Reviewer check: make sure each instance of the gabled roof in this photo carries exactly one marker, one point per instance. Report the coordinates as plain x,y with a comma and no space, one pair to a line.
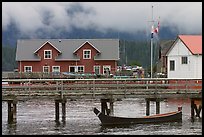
192,42
108,48
84,44
44,45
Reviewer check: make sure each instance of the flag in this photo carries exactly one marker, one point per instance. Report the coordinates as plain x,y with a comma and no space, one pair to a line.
152,32
156,30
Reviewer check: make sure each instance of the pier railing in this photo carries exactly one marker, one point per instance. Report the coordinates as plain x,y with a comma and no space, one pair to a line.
118,88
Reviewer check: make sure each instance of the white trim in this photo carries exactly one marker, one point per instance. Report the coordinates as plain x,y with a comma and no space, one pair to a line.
56,66
89,54
48,68
44,45
50,54
28,66
84,44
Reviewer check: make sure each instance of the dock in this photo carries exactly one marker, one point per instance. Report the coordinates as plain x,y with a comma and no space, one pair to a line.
107,90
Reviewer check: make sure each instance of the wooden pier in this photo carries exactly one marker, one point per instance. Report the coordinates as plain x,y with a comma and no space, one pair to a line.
107,90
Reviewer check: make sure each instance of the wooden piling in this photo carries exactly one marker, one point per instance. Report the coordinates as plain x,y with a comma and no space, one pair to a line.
56,110
10,113
63,110
147,106
192,109
111,107
157,106
104,106
12,110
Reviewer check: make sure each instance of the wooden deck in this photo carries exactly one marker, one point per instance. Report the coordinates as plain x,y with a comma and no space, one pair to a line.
100,88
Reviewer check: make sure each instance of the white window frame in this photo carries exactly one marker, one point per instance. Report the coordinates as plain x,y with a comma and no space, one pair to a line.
99,67
78,68
25,70
57,67
87,54
106,66
47,67
50,54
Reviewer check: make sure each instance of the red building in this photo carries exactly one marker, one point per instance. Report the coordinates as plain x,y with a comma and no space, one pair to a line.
68,55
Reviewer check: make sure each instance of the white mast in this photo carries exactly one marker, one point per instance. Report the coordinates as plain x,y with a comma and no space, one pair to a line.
152,33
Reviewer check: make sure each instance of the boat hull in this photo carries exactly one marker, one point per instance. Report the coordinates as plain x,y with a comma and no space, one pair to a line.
113,120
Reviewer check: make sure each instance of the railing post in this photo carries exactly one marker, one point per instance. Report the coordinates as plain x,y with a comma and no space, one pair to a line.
125,88
61,89
94,88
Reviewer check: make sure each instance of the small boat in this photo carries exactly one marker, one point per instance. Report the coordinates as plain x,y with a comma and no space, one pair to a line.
107,120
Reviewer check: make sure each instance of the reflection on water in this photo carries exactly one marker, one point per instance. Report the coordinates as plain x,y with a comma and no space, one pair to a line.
37,117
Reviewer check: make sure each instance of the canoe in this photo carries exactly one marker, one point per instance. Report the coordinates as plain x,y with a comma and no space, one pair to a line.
107,120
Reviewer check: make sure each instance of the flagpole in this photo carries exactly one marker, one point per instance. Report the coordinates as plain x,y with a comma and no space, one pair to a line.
151,43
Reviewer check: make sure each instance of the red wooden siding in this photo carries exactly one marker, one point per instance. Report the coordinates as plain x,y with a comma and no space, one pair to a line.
37,66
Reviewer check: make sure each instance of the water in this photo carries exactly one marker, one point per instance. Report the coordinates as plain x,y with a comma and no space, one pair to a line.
36,117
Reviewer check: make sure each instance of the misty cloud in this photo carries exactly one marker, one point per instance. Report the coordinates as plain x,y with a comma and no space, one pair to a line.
101,16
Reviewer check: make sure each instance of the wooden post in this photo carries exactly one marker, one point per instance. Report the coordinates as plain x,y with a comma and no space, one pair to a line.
57,110
12,111
157,106
192,109
63,110
103,106
147,106
111,107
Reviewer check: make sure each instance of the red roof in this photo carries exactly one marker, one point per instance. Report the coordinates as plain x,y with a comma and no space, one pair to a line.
192,42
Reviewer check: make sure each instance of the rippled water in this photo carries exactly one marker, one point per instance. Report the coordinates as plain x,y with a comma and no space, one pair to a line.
36,117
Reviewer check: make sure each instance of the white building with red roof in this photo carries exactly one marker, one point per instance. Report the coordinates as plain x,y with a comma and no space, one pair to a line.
184,58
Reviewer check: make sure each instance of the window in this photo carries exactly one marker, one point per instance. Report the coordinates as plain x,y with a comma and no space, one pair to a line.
55,68
97,69
46,69
72,69
106,70
172,65
86,54
80,69
184,60
76,68
27,68
47,54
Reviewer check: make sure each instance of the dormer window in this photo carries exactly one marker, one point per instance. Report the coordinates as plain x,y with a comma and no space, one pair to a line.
47,54
86,54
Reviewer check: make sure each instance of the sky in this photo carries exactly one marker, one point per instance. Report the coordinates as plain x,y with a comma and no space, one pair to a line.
128,17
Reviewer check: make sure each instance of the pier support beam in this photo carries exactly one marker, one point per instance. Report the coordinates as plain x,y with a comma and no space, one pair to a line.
157,106
104,106
147,107
12,110
57,112
195,108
